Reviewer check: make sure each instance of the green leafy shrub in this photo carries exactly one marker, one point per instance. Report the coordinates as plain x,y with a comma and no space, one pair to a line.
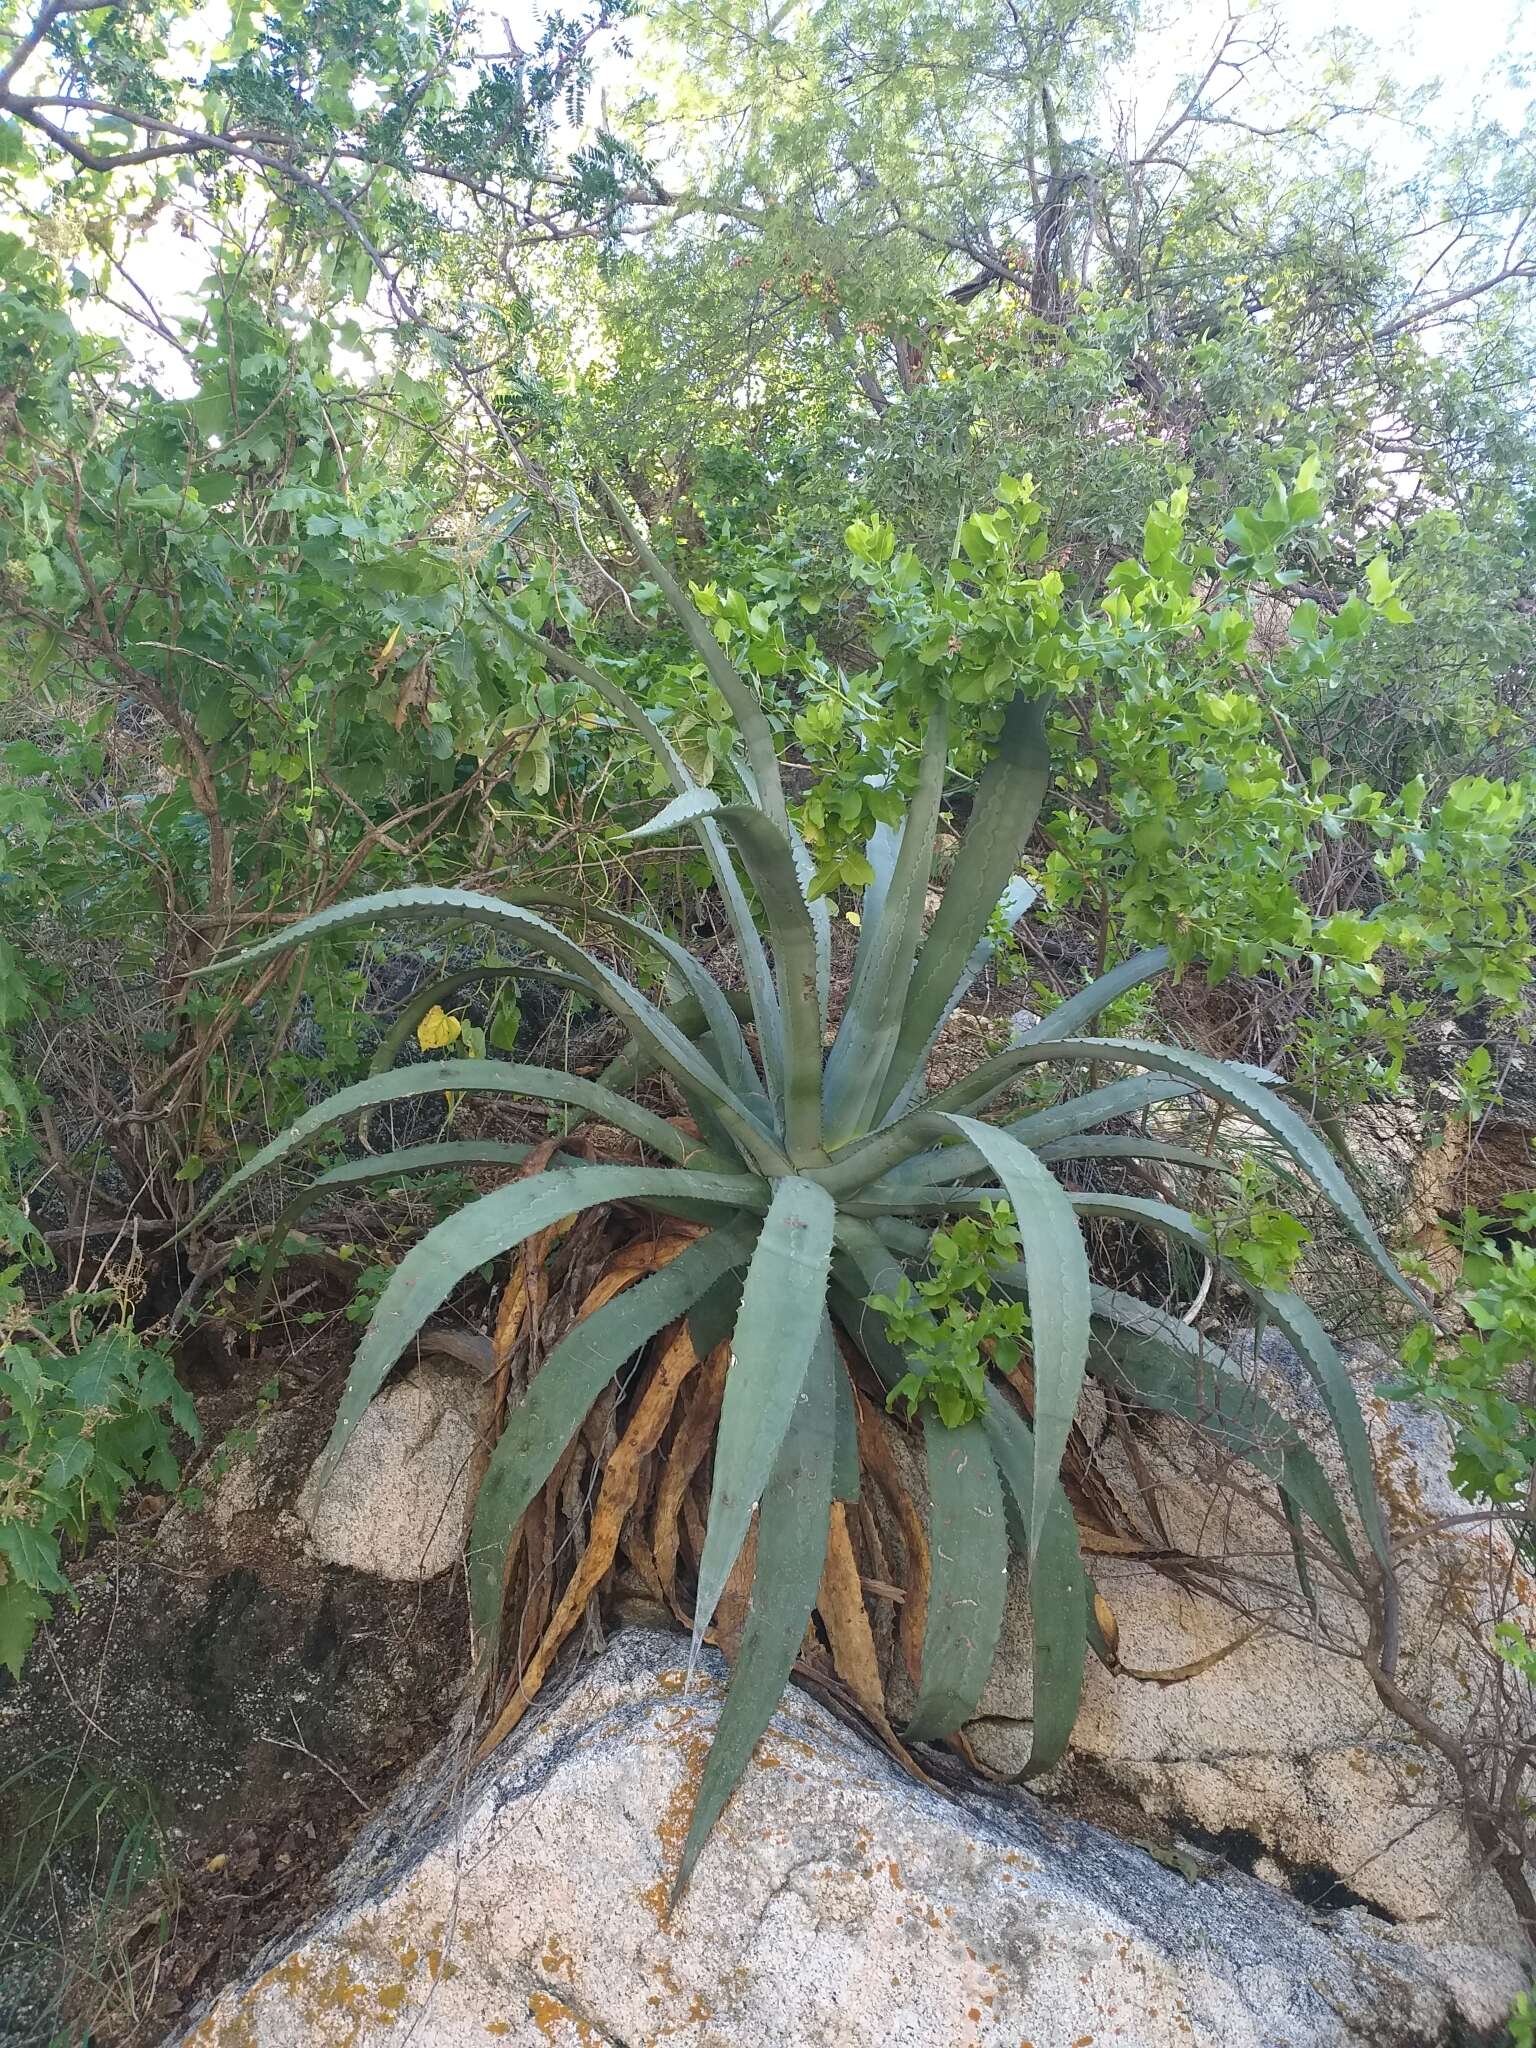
950,1323
301,687
1486,1386
817,1174
88,1410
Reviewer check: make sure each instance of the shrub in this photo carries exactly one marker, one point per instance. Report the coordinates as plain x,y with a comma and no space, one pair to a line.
806,1181
88,1410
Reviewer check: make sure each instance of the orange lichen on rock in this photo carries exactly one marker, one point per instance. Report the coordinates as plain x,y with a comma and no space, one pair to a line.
551,2017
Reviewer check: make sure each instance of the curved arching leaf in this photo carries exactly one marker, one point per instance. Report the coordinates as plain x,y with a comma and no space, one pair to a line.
539,1427
494,1224
764,997
1016,899
870,1029
968,1539
1163,1364
1097,1106
845,1464
1068,1018
629,1067
1060,1595
893,1197
882,850
377,1166
743,701
821,921
697,802
856,1166
792,1524
662,1039
463,1077
783,1305
968,1546
1056,1265
770,861
1146,1150
1291,1315
1008,800
1227,1083
732,1058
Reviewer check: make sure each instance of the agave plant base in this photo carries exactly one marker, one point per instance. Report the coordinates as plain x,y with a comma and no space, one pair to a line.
620,1523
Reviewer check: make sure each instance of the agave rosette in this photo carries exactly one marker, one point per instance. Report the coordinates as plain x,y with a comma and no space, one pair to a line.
816,1176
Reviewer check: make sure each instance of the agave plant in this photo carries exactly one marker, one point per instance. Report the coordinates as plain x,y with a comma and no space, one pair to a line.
808,1175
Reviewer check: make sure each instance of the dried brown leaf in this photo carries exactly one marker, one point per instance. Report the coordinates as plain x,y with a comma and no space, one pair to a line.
616,1497
688,1451
879,1461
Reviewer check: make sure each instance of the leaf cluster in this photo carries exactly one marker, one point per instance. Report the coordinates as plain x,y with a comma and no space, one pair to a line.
817,1165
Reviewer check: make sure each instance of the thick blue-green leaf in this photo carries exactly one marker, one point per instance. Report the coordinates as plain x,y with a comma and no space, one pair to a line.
864,1266
894,1197
792,1524
540,1426
670,1048
712,1318
1008,801
1068,1018
1162,1363
486,1228
1296,1321
1060,1596
968,1538
1059,1284
764,998
845,1464
859,1165
742,700
698,991
463,1077
898,1094
352,1173
882,850
821,921
871,1023
697,802
1229,1084
770,861
1148,1150
904,1240
799,960
783,1307
968,1554
1097,1106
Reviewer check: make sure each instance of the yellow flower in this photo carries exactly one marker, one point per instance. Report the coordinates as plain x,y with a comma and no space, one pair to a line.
437,1029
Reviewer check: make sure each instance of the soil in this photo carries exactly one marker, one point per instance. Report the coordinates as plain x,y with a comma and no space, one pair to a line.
193,1747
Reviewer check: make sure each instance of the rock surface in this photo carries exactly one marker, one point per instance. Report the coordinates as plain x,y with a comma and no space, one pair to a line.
395,1504
839,1902
1280,1754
